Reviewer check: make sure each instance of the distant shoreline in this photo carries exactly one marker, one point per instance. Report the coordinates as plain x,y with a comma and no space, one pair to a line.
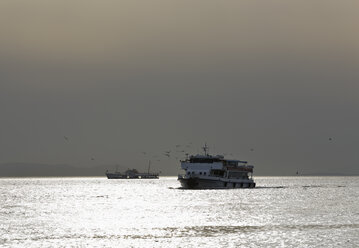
19,170
164,176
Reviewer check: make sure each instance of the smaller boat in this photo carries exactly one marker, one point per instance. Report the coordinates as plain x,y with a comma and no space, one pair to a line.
132,174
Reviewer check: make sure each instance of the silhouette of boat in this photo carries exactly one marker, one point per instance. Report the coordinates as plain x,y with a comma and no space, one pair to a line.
132,174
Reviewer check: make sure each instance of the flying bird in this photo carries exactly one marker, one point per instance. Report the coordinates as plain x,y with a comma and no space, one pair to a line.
66,138
92,159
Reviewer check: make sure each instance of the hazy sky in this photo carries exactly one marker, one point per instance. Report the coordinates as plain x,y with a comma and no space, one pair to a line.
122,77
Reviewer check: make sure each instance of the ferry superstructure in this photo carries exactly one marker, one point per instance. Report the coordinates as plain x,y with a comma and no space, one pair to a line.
215,172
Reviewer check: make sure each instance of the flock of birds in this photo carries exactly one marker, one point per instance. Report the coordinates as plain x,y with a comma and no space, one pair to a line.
176,153
180,151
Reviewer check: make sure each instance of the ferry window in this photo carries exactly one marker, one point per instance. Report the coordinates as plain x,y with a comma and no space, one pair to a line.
201,160
200,173
204,173
192,172
188,173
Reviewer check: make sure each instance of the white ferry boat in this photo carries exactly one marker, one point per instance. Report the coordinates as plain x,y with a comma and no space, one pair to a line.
215,172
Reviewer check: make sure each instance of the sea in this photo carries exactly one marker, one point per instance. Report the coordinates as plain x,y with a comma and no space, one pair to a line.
97,212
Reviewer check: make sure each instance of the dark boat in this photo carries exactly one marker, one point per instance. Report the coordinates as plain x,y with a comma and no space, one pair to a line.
132,174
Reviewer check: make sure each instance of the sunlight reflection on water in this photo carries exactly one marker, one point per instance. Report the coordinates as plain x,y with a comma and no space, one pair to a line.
281,211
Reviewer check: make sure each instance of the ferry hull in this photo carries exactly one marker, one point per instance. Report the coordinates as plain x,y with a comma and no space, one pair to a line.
201,183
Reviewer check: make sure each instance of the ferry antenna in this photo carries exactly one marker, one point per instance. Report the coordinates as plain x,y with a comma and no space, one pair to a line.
205,149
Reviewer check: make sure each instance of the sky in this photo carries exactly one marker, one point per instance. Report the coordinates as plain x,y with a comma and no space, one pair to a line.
273,82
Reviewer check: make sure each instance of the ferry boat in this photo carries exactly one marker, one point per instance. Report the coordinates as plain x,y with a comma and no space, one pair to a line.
215,172
132,174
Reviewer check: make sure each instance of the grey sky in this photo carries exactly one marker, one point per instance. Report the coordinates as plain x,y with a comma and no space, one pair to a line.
122,77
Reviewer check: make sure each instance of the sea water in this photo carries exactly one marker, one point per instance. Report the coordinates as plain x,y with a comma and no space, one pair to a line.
97,212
